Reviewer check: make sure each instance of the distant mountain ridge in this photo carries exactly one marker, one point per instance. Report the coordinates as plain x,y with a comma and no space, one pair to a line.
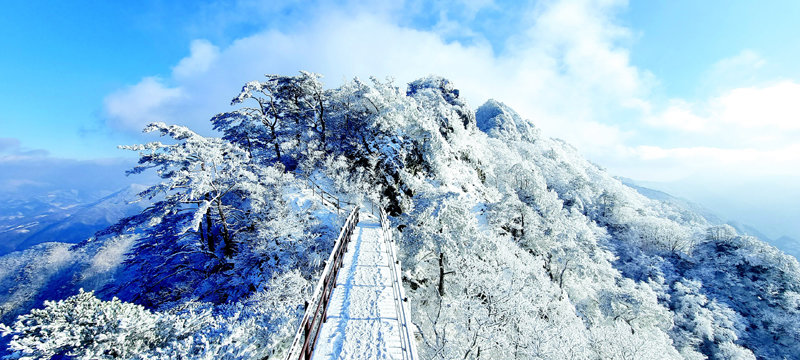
63,217
788,244
666,197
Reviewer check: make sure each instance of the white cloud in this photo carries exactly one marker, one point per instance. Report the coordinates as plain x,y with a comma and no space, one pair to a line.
148,101
763,116
752,159
745,60
736,71
565,69
679,116
775,107
723,166
202,55
746,134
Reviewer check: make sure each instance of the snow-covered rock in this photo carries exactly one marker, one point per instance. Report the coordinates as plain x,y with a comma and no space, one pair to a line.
499,120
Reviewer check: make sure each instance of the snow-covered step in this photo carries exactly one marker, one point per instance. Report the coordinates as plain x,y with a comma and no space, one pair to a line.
362,319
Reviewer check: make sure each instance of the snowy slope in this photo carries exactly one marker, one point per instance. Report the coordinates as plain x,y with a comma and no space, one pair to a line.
785,243
54,270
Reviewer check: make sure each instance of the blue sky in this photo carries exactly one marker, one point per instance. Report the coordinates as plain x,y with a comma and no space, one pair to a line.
697,97
680,40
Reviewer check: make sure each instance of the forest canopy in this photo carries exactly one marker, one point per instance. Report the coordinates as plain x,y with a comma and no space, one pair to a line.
513,245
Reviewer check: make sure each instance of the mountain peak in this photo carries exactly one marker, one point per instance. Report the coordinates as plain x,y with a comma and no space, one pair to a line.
443,87
499,120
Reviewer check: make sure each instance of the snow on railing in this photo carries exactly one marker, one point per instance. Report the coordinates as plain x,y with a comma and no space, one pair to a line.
317,310
327,197
407,342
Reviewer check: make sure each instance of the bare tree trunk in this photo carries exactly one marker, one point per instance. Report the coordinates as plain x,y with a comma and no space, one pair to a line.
322,119
230,247
202,234
561,276
271,125
209,230
275,142
441,274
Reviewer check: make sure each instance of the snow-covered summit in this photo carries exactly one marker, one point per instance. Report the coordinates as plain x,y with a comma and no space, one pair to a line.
501,121
442,87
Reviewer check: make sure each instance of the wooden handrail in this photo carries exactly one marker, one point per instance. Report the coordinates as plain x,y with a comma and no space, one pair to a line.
316,311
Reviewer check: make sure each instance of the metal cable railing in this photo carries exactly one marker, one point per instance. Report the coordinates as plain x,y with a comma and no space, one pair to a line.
407,342
317,310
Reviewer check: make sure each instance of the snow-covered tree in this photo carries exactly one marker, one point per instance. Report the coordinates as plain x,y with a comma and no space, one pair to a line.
85,327
221,227
512,244
281,112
